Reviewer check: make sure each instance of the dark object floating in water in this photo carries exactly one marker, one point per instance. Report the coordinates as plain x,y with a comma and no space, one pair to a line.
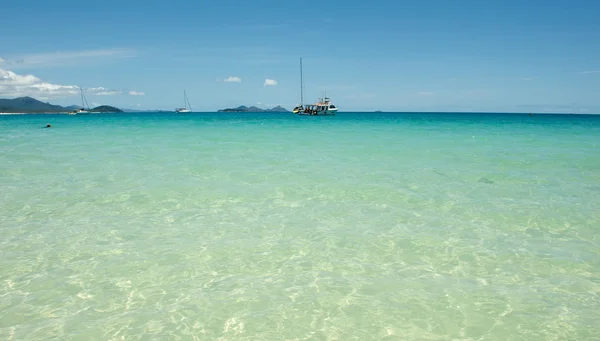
48,126
485,181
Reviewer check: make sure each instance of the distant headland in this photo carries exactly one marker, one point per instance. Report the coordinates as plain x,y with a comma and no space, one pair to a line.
244,108
28,105
105,108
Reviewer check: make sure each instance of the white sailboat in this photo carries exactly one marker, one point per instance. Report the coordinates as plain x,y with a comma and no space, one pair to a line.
186,103
321,107
84,104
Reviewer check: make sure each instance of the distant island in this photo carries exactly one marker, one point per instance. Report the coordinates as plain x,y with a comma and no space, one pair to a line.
244,108
29,105
105,108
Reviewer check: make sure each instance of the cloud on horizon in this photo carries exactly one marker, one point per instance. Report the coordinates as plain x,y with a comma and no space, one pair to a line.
63,58
100,91
16,85
232,79
270,82
137,93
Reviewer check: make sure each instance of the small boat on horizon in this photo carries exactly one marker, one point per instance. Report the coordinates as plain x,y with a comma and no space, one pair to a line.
79,111
322,107
84,102
186,103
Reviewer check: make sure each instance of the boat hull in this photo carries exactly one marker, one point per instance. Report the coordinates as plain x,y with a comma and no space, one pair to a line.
321,108
79,112
319,113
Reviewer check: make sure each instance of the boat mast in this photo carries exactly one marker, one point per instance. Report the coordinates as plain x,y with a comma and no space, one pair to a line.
187,101
83,100
301,85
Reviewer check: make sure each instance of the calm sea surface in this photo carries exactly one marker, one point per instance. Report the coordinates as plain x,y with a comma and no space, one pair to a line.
279,227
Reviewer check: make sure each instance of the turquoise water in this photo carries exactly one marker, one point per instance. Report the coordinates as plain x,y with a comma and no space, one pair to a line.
279,227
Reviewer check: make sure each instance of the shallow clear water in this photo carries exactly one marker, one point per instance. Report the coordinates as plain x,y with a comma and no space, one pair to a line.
279,227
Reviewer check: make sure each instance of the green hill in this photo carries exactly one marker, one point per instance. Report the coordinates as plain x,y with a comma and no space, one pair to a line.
29,105
244,108
33,106
105,108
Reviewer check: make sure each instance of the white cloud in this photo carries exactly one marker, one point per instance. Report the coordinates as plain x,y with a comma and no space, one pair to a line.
270,82
137,93
232,79
63,58
100,91
16,85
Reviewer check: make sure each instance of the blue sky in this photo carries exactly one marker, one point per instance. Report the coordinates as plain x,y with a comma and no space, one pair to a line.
513,56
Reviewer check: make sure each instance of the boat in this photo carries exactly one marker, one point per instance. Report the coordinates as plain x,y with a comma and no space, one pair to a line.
187,107
79,111
321,107
84,102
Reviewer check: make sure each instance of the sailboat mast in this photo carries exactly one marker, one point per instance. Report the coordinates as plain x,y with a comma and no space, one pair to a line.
84,102
187,101
301,85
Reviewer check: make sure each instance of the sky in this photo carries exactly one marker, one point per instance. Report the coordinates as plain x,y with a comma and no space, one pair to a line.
428,55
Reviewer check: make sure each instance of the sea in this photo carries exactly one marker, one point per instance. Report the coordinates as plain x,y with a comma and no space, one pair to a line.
268,226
